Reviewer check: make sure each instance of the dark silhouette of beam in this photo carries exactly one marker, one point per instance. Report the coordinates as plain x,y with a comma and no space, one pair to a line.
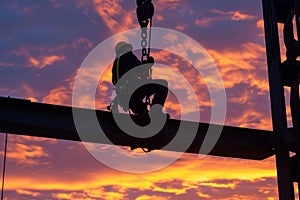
23,117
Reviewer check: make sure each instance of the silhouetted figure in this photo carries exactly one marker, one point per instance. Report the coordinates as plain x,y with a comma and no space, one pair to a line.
140,98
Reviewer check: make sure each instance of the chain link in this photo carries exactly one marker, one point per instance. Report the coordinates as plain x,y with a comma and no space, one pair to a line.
144,43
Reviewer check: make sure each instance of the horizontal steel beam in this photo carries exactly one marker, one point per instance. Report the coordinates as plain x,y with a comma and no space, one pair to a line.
23,117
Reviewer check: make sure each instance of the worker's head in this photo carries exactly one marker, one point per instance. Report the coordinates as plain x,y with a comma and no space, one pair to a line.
123,47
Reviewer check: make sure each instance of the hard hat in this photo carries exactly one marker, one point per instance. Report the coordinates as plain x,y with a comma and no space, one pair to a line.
123,47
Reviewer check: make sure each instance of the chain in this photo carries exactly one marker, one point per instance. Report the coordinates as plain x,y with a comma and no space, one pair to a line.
144,43
145,11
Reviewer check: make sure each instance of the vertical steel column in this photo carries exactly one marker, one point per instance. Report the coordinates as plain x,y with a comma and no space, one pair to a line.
285,185
295,117
297,17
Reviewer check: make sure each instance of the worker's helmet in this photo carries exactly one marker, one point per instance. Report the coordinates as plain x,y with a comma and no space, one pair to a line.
123,47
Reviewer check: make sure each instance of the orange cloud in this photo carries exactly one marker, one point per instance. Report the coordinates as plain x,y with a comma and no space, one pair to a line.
241,66
260,26
251,118
26,139
24,154
234,15
45,61
72,195
59,96
82,41
117,193
287,106
29,92
237,16
27,192
281,42
159,17
150,197
231,185
114,16
181,27
172,106
38,62
230,15
205,21
162,5
62,95
34,61
107,10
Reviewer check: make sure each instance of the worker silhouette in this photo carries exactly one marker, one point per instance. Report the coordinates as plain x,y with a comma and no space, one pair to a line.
139,99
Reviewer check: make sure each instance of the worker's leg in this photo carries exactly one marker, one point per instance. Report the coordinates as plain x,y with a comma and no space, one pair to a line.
160,90
136,103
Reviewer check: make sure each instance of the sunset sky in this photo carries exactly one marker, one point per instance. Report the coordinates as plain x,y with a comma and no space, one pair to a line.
44,43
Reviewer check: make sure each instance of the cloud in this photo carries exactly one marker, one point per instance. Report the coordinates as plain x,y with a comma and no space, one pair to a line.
115,17
205,21
72,195
234,15
45,61
169,4
251,118
59,96
218,15
6,64
29,92
260,26
86,43
27,140
244,72
171,186
107,10
62,94
28,192
37,62
172,106
29,155
242,65
150,197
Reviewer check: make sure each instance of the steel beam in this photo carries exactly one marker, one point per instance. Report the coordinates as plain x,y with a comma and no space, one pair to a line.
23,117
